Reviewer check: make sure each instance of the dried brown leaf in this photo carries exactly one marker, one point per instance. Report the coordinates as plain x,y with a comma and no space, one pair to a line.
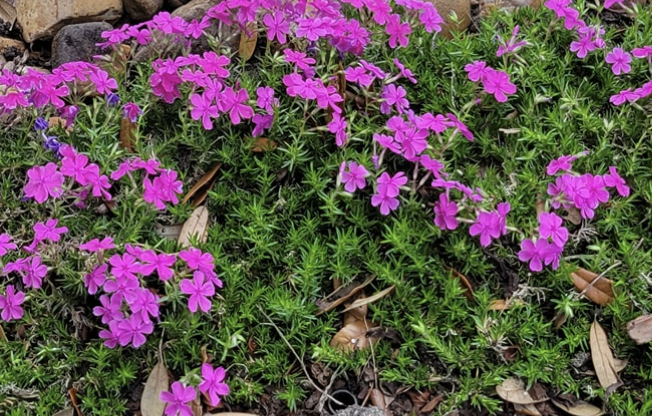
168,231
465,283
640,329
573,215
263,145
432,404
358,313
513,390
127,136
377,398
600,291
196,407
353,336
370,299
72,392
248,39
341,295
540,205
603,359
579,408
7,13
157,382
196,225
205,181
3,337
527,409
68,411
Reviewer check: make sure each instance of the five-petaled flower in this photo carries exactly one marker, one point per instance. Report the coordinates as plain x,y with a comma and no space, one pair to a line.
177,400
200,290
212,383
619,60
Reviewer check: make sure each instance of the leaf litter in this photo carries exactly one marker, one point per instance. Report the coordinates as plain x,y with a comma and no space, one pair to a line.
596,288
603,359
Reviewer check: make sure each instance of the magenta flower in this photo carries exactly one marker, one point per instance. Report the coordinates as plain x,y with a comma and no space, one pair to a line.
300,59
5,244
392,184
73,165
143,303
387,203
358,75
44,181
338,127
112,335
212,383
613,180
583,46
266,99
487,226
394,95
49,230
619,60
124,266
563,163
103,84
534,253
457,123
199,290
498,84
354,177
550,226
133,331
34,272
111,309
398,32
643,52
437,123
477,71
96,245
512,45
262,122
161,263
95,280
277,26
204,108
233,103
625,95
445,212
557,6
177,401
99,183
10,302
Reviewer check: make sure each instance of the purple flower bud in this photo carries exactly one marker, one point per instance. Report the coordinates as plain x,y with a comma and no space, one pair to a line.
51,143
40,124
112,99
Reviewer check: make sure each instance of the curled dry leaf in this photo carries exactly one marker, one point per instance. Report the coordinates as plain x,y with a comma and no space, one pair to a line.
578,408
527,409
370,299
342,294
68,411
248,39
573,215
352,336
196,225
640,329
263,145
603,359
358,313
432,404
597,290
127,136
465,283
168,231
73,399
205,182
513,390
157,382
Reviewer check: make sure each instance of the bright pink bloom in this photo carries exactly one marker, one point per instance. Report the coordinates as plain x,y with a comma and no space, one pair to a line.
488,226
10,304
398,32
643,52
391,185
551,226
625,95
557,6
99,183
619,60
95,280
563,163
455,122
338,127
358,75
534,253
49,230
511,45
96,245
498,84
34,272
124,266
177,401
143,303
278,26
161,263
354,177
44,181
5,244
199,290
437,123
445,212
133,331
73,166
204,108
300,59
103,84
212,383
583,46
395,96
266,99
233,103
131,111
613,180
110,309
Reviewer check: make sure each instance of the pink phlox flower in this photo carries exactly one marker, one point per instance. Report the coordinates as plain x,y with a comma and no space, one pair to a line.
643,52
373,69
114,37
141,36
437,123
430,18
222,12
96,245
354,177
213,64
49,230
571,18
73,166
563,163
204,108
195,28
619,60
461,127
498,84
265,99
103,84
392,184
124,266
338,127
153,195
312,28
386,202
112,335
177,401
398,32
277,26
358,75
99,183
534,253
299,59
95,279
17,266
169,185
625,95
196,259
329,97
445,212
131,111
381,10
11,100
431,164
551,226
161,263
609,3
487,226
405,72
583,46
133,331
10,302
557,6
34,272
502,209
43,182
387,142
234,104
199,290
261,122
396,96
413,142
143,302
387,192
151,166
511,45
613,180
212,383
6,244
111,309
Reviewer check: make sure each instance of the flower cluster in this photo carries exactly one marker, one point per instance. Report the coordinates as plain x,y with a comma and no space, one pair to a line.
212,385
494,82
159,185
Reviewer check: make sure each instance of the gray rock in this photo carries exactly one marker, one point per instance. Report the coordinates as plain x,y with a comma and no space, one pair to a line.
174,4
142,9
361,411
77,42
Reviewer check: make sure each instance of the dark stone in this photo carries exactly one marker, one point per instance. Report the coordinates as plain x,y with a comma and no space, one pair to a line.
77,42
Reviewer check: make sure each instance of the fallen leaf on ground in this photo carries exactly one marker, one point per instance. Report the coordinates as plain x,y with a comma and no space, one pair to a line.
196,225
527,409
578,408
157,382
358,313
341,295
127,136
468,293
432,404
370,299
169,231
353,336
207,181
8,13
196,407
504,304
603,359
513,390
573,215
263,145
248,39
377,398
73,399
640,329
68,411
601,292
3,337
